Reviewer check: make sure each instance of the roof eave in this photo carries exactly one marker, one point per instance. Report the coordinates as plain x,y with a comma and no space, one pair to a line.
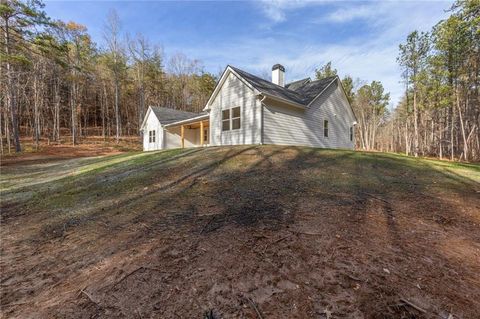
193,119
291,103
222,81
145,117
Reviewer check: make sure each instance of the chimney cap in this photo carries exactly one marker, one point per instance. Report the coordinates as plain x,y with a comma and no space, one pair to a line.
278,66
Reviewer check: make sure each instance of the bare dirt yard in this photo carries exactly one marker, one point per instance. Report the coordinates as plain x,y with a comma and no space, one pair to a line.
46,152
240,232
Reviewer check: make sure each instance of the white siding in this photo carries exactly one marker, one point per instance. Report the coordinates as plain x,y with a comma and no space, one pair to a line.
152,124
233,93
288,126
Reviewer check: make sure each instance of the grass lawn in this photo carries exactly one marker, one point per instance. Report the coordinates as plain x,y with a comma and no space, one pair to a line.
287,232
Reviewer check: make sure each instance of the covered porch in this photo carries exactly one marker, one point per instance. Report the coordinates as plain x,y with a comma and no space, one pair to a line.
193,132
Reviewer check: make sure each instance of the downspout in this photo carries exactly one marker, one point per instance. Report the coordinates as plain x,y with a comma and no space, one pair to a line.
261,117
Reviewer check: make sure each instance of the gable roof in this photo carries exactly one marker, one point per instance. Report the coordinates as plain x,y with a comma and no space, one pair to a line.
167,115
312,89
300,92
269,88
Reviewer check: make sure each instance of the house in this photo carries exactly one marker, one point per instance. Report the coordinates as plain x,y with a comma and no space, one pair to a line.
246,109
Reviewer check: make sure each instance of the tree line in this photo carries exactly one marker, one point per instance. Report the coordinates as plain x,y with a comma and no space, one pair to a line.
439,114
58,84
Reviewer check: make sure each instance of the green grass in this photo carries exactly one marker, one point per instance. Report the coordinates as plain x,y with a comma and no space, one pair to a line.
337,170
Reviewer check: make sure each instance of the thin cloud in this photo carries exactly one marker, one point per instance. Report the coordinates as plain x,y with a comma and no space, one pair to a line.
347,14
276,10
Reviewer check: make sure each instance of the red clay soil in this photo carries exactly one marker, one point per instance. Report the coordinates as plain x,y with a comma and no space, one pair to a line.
54,152
248,233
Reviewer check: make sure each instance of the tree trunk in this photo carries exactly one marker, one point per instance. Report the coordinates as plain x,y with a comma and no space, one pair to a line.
117,112
11,98
452,119
104,109
56,127
73,107
462,127
415,123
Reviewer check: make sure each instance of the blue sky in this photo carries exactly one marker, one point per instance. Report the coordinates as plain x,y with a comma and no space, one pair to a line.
360,37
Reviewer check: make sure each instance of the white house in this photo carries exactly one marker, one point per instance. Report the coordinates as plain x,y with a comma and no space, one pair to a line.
246,109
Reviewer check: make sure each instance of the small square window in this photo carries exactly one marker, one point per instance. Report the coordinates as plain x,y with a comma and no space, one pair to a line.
236,124
236,112
226,125
151,136
225,114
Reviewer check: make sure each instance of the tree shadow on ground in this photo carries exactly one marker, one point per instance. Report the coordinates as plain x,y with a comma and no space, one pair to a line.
247,191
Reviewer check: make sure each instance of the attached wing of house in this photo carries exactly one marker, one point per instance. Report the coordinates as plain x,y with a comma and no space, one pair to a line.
165,128
246,109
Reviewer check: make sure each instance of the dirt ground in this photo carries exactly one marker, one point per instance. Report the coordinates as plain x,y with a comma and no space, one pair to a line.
92,146
242,232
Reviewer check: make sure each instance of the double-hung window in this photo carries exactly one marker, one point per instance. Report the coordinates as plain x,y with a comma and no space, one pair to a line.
151,136
226,120
325,128
231,119
235,113
351,133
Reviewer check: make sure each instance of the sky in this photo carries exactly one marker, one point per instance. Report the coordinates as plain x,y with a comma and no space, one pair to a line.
360,38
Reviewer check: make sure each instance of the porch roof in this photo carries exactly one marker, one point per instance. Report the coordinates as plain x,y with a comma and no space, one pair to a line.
189,121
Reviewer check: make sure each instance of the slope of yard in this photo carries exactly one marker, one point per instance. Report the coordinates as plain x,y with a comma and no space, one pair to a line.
247,232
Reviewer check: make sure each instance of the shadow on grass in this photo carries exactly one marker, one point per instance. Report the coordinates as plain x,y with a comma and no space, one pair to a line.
250,188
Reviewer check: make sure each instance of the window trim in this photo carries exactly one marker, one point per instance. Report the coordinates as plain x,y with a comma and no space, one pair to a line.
325,128
226,120
239,117
205,135
151,136
230,119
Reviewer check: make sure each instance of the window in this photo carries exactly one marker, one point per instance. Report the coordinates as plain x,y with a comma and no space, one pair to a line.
231,119
235,118
325,128
226,120
151,136
351,133
205,135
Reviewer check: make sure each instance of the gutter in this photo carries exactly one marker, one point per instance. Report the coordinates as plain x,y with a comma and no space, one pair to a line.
193,119
301,106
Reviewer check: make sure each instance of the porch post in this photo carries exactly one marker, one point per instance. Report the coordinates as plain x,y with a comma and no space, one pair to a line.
183,136
201,133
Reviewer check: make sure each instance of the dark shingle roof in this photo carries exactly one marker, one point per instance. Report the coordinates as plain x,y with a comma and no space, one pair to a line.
166,115
296,84
311,89
295,92
268,87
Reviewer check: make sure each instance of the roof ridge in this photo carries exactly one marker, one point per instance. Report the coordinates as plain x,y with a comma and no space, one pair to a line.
328,77
301,80
269,82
